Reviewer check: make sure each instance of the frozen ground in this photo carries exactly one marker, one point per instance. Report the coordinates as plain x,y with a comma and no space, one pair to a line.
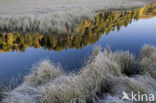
37,7
53,15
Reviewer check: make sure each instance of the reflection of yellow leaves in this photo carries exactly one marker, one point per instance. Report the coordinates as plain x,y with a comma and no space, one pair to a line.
141,11
2,51
148,12
39,36
10,39
89,32
87,23
53,40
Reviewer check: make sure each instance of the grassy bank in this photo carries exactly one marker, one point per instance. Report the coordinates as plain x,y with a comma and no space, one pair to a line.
89,31
54,15
102,80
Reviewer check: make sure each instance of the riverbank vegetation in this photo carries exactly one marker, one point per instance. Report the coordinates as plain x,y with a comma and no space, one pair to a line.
89,31
102,80
53,16
8,86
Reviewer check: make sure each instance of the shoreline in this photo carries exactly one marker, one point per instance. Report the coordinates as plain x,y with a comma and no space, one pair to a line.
87,31
106,73
54,16
31,7
104,78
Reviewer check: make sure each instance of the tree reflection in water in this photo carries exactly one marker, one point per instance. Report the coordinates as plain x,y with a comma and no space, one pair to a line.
89,31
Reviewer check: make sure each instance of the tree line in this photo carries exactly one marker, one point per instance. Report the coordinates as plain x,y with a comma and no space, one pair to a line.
89,31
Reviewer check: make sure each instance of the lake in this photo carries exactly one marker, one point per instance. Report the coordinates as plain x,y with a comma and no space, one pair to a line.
121,30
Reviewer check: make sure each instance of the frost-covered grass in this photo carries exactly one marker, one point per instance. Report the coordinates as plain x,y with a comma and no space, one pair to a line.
12,84
55,16
102,80
147,60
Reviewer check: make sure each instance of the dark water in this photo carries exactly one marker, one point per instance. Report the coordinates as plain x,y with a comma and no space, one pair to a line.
130,31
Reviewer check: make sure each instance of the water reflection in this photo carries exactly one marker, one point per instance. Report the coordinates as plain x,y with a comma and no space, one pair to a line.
89,31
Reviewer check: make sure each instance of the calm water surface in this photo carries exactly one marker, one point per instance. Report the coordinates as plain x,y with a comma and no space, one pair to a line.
132,38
